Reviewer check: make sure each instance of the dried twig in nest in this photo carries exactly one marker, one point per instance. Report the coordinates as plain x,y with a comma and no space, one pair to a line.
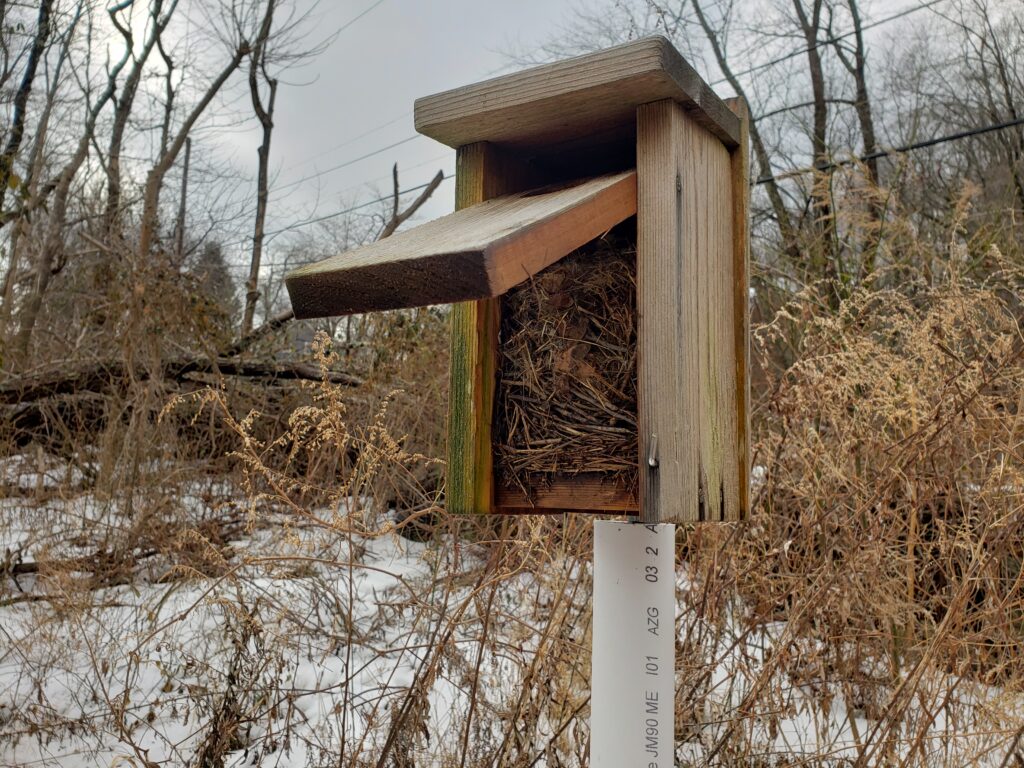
566,400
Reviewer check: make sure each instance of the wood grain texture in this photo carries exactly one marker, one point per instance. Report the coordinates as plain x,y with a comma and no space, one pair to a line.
685,295
579,493
667,326
739,159
482,172
585,99
477,252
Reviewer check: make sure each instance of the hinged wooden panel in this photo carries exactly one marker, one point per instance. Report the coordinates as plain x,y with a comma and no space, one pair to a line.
478,252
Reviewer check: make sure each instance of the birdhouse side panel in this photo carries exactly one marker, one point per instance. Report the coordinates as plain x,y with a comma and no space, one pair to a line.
687,372
739,158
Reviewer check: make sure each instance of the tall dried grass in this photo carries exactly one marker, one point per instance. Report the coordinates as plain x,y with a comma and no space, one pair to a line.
869,613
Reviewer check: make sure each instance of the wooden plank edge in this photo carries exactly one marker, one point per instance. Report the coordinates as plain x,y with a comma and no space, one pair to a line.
580,493
327,294
517,89
319,289
473,343
740,162
519,256
703,103
667,351
482,172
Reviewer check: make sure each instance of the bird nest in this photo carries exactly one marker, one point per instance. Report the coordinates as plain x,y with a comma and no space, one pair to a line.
566,397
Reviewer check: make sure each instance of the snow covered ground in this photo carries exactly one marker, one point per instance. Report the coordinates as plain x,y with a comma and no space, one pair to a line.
312,646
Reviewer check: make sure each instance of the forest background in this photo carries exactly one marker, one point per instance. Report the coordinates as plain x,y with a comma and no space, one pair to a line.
224,535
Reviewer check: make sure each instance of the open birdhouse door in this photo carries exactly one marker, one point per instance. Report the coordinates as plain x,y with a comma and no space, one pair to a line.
597,262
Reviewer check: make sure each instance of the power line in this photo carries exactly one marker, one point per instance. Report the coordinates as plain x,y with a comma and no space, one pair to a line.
829,41
345,164
369,131
336,214
353,140
761,180
404,169
896,150
353,208
349,23
720,81
764,65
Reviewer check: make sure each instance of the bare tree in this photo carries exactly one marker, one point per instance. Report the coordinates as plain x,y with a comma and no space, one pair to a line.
30,184
159,19
787,229
155,177
179,225
17,131
966,79
47,254
398,216
264,112
856,65
1000,82
275,45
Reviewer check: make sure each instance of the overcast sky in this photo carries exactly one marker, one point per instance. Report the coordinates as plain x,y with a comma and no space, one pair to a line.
356,97
346,115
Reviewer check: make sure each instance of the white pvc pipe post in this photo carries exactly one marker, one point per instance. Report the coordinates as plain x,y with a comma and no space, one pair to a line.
633,662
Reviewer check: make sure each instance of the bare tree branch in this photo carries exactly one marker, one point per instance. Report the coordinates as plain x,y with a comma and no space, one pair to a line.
397,219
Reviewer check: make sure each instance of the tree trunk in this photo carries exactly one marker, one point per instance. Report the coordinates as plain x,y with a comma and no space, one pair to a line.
179,226
252,293
155,177
46,256
42,270
862,99
31,183
123,107
1014,140
824,263
785,223
865,119
17,131
265,114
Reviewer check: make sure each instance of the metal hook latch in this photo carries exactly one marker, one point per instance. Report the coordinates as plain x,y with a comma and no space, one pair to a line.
652,453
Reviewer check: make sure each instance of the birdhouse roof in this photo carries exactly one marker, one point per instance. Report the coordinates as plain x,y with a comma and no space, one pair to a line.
589,99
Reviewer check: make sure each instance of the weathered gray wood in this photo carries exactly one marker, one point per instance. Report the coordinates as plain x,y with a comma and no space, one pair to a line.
475,253
583,99
686,374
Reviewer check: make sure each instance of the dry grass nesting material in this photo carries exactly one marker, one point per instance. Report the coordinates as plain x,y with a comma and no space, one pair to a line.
567,384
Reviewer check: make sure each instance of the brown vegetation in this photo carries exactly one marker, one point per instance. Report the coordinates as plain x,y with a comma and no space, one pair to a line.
191,512
566,394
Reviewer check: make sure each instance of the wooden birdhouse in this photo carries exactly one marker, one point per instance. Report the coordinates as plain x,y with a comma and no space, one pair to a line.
597,263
